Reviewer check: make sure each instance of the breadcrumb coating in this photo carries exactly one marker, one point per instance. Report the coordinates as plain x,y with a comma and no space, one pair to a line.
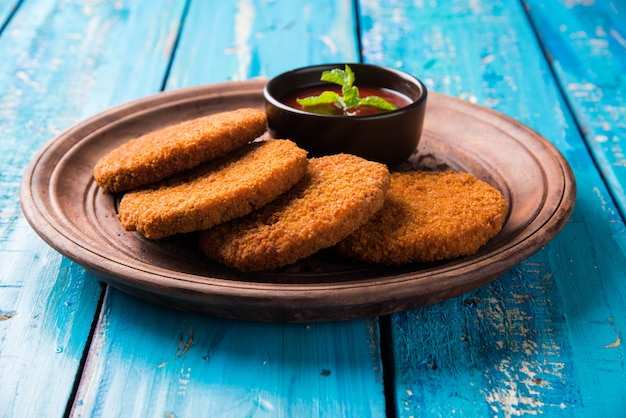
429,216
213,193
160,154
338,194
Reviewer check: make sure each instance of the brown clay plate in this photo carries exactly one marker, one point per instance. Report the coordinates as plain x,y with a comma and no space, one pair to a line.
74,216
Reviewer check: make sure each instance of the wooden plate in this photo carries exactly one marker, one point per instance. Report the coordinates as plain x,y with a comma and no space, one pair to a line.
65,207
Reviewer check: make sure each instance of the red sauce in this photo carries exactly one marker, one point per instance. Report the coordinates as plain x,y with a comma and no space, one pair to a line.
391,96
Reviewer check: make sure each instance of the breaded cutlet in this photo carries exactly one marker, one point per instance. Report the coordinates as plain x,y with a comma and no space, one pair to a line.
429,216
232,186
338,194
162,153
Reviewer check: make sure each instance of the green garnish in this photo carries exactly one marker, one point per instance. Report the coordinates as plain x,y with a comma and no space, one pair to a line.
349,99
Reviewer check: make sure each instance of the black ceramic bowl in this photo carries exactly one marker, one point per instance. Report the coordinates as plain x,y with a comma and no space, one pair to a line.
389,137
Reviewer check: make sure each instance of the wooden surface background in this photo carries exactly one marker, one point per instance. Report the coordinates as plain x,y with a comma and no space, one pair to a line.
545,338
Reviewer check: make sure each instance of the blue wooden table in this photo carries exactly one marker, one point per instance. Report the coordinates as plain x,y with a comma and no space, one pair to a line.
543,339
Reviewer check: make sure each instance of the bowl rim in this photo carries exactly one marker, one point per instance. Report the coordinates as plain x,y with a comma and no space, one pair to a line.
420,101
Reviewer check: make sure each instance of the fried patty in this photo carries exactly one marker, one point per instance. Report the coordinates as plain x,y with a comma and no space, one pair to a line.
173,149
338,194
232,186
429,216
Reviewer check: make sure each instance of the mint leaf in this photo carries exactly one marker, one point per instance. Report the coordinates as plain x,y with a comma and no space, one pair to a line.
326,97
339,76
350,98
336,76
349,76
378,102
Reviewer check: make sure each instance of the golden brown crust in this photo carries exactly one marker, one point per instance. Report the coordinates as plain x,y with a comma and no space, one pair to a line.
338,194
215,192
160,154
429,216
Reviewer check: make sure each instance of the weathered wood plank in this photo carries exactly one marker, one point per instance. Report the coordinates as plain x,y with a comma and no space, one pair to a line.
586,43
188,365
545,337
153,361
259,38
59,64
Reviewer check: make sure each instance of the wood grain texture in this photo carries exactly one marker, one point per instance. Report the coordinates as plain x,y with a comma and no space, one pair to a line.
236,40
59,64
545,337
586,45
236,368
152,361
